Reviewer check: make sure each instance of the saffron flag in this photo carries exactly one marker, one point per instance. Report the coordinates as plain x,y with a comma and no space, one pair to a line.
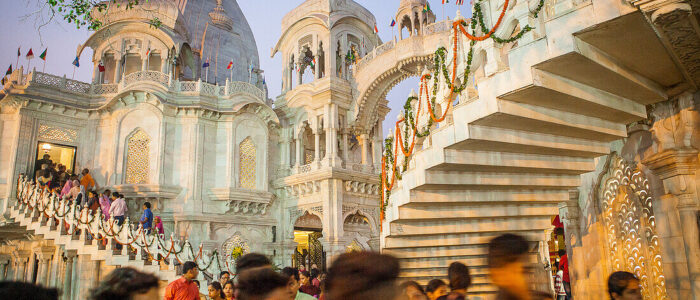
148,51
101,67
230,65
313,63
43,54
76,62
30,54
9,70
393,22
426,8
206,64
376,30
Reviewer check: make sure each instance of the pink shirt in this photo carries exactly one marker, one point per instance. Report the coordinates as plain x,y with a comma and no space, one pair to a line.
105,204
118,208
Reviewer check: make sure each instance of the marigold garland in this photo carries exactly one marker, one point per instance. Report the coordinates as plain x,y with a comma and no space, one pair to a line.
407,122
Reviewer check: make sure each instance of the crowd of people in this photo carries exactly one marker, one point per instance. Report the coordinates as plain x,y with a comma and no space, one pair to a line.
82,189
352,276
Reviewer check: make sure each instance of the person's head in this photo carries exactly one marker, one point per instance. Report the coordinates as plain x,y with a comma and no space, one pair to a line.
215,291
224,276
126,283
252,260
115,195
229,289
23,290
506,263
76,183
46,156
44,166
262,283
304,277
62,168
46,173
412,290
85,172
460,279
147,205
435,289
189,270
92,194
157,221
293,282
623,286
107,193
362,275
561,252
314,273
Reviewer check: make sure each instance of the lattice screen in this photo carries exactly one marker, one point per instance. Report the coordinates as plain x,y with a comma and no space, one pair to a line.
247,164
137,158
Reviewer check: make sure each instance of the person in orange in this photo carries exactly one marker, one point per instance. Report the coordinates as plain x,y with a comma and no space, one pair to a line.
184,288
87,180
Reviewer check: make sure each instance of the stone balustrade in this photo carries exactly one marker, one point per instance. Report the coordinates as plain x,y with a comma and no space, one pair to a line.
56,216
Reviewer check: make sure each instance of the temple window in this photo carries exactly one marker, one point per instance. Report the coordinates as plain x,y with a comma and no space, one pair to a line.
247,164
137,158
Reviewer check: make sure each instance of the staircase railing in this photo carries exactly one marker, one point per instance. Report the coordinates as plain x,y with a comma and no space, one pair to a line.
69,218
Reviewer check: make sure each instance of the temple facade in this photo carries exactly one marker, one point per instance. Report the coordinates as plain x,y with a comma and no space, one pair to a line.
575,124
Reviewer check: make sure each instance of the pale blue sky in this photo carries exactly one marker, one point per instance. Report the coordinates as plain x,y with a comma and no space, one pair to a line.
19,28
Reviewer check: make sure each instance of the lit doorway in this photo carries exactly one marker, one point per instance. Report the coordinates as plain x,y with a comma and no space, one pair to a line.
309,251
57,154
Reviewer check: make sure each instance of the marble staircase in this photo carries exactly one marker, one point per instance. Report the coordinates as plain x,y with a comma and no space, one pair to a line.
502,163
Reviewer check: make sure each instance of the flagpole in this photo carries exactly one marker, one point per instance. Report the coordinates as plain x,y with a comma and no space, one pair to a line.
43,69
443,11
73,76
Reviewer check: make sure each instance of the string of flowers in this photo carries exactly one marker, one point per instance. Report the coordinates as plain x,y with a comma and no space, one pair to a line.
406,128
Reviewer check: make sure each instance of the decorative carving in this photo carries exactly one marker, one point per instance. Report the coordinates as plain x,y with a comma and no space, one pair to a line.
55,133
628,215
677,21
362,188
247,164
303,189
137,158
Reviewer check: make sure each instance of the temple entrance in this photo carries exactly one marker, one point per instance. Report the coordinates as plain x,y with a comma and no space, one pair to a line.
57,154
309,251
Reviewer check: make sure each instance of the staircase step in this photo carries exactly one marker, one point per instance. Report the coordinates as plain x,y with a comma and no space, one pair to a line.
488,161
445,251
533,118
495,180
508,140
487,196
448,211
454,239
470,226
444,262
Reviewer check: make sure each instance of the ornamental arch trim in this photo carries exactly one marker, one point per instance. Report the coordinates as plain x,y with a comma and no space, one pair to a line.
632,242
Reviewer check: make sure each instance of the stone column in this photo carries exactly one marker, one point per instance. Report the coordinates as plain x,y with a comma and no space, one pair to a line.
164,65
299,150
300,78
364,139
4,266
317,66
346,155
290,75
68,277
317,145
117,68
21,257
377,145
44,255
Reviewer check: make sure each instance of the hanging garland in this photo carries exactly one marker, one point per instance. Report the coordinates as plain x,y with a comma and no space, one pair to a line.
406,128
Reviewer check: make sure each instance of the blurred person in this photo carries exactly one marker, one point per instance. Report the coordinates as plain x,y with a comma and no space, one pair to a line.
224,276
459,277
93,203
293,284
105,203
44,178
624,286
252,260
262,283
147,217
126,283
435,289
74,191
118,209
66,188
306,286
315,281
412,291
87,181
506,261
230,290
215,291
362,275
158,225
45,160
564,267
184,287
559,285
22,290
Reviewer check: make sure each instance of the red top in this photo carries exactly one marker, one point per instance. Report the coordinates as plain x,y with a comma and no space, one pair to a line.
564,266
181,289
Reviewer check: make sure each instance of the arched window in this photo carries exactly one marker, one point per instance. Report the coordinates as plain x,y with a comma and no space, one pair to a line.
137,158
246,152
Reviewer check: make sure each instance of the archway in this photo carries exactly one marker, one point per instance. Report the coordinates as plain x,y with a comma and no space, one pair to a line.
357,228
309,251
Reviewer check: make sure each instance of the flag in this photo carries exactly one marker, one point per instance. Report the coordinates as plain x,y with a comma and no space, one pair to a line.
206,64
30,54
376,30
101,67
148,51
426,8
393,23
313,63
230,65
446,1
76,62
460,2
9,70
43,54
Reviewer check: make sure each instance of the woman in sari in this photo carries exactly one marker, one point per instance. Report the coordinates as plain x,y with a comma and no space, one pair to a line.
66,188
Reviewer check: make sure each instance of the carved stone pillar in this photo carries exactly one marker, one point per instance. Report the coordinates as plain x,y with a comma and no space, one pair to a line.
298,153
364,139
317,66
117,68
44,255
317,145
300,74
21,258
346,155
68,277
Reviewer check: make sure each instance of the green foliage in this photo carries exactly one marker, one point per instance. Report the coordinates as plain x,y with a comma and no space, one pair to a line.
80,12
